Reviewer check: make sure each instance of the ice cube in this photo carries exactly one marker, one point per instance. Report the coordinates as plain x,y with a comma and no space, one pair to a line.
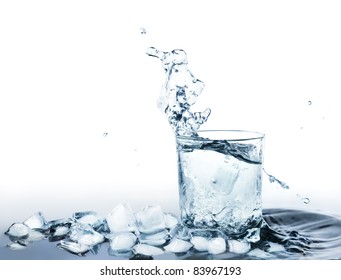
147,250
156,239
150,219
171,221
18,231
122,242
89,217
178,246
238,247
58,229
216,245
74,247
35,235
85,234
36,221
121,218
200,243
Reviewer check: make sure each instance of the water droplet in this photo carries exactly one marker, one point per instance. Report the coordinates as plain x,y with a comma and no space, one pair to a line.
143,30
214,180
309,102
105,134
272,179
305,200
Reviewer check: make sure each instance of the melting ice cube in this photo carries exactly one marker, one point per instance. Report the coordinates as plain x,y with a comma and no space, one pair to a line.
150,219
90,218
121,218
178,246
85,234
238,247
122,242
156,239
200,243
18,231
74,247
171,221
36,221
147,250
59,229
216,245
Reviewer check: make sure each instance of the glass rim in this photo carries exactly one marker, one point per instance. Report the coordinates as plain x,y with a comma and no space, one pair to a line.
226,134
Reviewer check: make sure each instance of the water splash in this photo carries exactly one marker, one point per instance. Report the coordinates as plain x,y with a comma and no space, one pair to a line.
273,179
179,92
105,134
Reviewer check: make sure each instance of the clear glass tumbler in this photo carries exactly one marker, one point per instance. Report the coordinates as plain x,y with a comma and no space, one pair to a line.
220,182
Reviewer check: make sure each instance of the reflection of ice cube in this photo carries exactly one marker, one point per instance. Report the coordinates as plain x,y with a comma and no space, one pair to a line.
84,234
238,247
36,221
18,231
156,239
178,246
259,254
121,218
89,217
275,247
216,245
122,242
16,246
150,219
147,250
74,247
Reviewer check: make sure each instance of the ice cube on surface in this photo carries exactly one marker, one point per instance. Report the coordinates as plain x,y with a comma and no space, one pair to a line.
121,218
122,242
150,219
156,239
74,247
216,245
18,230
200,243
178,246
147,250
89,217
171,221
36,221
85,234
238,247
35,235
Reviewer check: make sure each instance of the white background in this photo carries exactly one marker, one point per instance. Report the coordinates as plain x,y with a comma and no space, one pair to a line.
71,71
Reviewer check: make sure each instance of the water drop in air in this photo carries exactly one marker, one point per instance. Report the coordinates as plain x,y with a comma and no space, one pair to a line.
105,134
305,200
309,102
143,30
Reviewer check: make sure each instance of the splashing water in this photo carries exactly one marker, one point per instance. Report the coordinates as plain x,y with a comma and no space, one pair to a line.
179,93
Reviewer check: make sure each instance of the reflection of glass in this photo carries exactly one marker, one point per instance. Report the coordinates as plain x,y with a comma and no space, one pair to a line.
220,181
